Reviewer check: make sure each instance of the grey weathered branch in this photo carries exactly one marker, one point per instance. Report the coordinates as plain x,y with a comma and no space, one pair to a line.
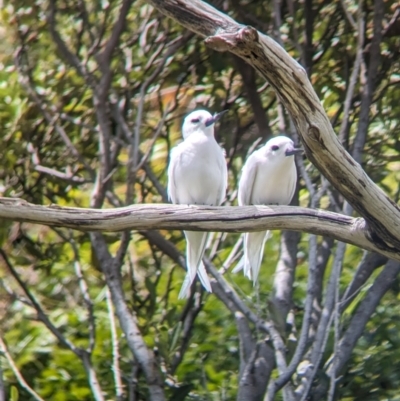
363,313
197,218
255,377
284,273
291,83
128,320
367,266
246,341
250,86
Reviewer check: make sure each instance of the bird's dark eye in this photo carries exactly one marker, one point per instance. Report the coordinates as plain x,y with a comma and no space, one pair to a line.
275,148
195,120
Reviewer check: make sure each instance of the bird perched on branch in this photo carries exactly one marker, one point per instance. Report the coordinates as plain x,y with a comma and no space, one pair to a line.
197,175
268,178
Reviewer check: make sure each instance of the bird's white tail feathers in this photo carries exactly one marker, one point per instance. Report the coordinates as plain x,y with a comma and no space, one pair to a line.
195,247
239,266
253,253
201,272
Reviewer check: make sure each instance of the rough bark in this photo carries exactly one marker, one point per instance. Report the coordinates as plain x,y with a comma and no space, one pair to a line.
256,373
198,218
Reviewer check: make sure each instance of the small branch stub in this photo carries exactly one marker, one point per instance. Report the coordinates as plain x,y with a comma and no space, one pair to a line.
223,42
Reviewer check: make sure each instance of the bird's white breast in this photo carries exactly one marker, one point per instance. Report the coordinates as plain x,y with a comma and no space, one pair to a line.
199,172
274,183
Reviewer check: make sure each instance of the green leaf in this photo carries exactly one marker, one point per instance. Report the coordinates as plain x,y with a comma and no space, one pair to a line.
181,393
14,395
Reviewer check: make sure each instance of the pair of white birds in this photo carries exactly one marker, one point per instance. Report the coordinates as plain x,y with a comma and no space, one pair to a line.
198,175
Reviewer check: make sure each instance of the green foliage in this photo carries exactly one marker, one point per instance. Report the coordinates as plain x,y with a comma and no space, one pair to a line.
372,371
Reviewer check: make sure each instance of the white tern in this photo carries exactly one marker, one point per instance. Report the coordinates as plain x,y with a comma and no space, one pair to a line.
197,175
268,178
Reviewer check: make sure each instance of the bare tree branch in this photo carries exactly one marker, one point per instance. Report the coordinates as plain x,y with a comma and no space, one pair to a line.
246,341
94,383
249,80
189,315
304,334
349,16
85,294
284,273
368,264
367,96
257,372
326,320
127,319
62,47
308,47
227,295
119,389
364,311
344,127
51,117
105,57
197,218
293,87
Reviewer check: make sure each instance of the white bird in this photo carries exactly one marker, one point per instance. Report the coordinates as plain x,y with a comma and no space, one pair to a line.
197,175
268,178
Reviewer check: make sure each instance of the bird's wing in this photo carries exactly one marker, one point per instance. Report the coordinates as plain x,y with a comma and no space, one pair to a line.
239,266
253,253
292,183
187,283
171,188
224,178
247,180
202,273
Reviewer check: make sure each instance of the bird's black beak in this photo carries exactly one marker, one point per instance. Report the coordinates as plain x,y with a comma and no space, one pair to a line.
294,151
212,120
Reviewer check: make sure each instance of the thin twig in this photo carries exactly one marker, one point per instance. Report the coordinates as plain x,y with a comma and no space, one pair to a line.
370,85
41,315
159,128
363,313
22,382
304,334
27,80
366,267
128,320
119,389
349,16
133,164
228,295
327,316
71,58
187,321
86,296
336,326
58,174
354,75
